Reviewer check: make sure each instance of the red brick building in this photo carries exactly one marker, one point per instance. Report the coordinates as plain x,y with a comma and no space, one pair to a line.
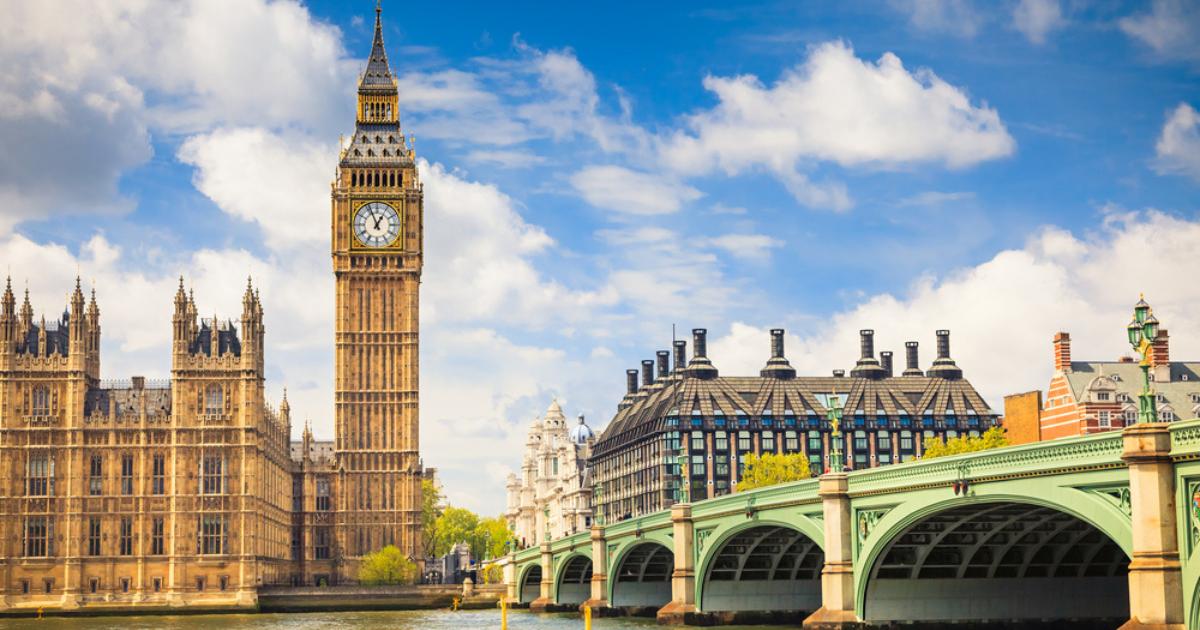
1092,396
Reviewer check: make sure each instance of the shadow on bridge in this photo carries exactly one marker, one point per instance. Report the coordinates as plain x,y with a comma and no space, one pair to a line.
768,570
1002,563
642,581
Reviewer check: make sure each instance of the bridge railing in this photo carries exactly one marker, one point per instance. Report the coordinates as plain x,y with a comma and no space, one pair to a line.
1185,438
1097,450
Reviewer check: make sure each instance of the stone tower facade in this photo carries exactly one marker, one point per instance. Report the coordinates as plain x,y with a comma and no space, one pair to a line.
377,257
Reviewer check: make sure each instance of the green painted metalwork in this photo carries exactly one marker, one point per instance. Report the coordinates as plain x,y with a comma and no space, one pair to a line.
1084,477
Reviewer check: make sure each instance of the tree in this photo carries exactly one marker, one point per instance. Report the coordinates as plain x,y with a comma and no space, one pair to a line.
431,509
994,437
769,469
491,538
454,526
387,566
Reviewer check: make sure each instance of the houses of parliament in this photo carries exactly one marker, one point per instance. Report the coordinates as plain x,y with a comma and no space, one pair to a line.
189,492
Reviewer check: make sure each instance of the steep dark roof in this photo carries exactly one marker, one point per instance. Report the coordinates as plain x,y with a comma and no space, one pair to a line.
754,397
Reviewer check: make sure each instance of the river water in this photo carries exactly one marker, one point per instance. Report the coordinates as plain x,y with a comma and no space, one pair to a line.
398,620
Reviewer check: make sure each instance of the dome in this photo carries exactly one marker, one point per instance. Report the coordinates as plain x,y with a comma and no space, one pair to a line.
581,432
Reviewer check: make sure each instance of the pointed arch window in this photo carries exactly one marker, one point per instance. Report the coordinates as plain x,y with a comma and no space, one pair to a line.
214,400
41,401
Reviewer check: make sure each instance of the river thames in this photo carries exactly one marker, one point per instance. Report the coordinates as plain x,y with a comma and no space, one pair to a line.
397,620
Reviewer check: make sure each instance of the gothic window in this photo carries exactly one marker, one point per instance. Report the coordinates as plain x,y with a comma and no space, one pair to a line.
214,400
158,474
37,536
211,477
365,141
40,475
96,475
126,547
321,543
366,113
157,535
212,535
323,501
370,153
41,401
378,140
93,548
127,475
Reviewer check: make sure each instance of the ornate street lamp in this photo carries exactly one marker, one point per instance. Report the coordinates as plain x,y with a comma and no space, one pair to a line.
1142,332
546,517
835,436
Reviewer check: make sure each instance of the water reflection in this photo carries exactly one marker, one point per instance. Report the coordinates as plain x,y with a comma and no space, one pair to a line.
399,620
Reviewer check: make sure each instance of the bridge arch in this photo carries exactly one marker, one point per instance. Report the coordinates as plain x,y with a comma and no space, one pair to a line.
641,575
761,565
530,583
572,585
996,558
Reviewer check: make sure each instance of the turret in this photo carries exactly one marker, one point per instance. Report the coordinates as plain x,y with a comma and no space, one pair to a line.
76,322
25,318
252,328
92,317
181,322
8,326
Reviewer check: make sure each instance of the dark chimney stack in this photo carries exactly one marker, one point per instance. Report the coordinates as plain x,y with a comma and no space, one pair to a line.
631,381
664,360
866,343
943,366
700,366
699,343
912,364
885,360
647,372
867,366
776,343
777,365
680,356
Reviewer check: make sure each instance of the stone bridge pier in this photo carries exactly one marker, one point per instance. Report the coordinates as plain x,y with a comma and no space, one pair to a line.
1101,530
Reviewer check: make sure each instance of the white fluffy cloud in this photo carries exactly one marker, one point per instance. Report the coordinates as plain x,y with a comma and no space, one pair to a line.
479,259
280,182
1178,146
85,83
1037,18
837,108
1004,312
632,192
1170,28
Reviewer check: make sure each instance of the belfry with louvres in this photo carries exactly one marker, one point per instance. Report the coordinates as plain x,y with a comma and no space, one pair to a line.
188,492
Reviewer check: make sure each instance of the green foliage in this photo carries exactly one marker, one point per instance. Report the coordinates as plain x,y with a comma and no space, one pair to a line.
431,510
387,566
454,526
492,574
445,526
491,536
770,469
994,437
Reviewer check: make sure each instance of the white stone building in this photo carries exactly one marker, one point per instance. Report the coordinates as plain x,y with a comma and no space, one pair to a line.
554,483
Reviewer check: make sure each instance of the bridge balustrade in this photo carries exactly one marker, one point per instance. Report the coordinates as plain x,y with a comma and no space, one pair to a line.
1103,528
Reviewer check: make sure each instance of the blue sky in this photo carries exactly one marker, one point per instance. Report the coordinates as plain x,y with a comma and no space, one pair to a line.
1002,169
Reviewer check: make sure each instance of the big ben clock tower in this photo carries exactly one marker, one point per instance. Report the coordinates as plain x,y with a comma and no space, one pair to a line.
377,256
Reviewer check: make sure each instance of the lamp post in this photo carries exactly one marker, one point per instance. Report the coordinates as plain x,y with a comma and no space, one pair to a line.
546,517
835,436
1142,332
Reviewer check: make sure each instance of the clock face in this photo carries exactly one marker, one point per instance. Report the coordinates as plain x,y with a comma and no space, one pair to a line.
376,224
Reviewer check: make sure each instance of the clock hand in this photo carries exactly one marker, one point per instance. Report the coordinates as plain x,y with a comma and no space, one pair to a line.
378,219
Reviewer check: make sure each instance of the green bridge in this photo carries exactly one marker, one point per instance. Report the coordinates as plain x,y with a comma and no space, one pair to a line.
1101,531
